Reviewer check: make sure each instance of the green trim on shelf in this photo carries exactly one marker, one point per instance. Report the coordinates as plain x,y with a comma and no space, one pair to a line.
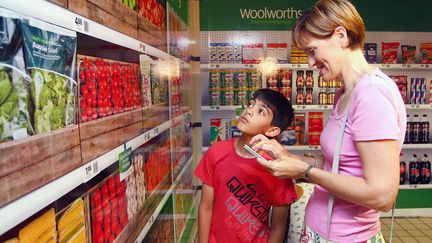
414,199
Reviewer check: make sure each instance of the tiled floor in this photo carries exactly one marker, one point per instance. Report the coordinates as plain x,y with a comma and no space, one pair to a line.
408,229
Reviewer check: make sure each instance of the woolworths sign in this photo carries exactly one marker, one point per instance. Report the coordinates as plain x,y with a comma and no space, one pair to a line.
251,14
270,14
379,15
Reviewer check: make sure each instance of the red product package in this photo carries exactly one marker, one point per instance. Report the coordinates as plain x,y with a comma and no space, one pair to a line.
401,82
389,52
426,53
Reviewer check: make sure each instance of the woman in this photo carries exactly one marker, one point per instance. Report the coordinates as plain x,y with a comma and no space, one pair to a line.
366,181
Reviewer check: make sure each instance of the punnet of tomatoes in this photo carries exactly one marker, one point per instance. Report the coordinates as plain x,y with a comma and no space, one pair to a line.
108,210
88,94
153,11
116,88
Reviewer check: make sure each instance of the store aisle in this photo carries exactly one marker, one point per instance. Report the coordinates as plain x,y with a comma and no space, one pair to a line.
408,229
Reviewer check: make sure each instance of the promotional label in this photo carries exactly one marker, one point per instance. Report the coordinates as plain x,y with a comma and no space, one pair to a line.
125,163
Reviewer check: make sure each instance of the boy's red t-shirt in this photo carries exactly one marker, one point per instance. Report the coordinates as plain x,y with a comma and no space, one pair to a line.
244,192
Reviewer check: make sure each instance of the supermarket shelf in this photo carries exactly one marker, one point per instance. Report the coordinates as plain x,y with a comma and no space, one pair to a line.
27,205
418,106
60,16
403,66
306,66
311,107
296,107
317,147
254,66
417,146
415,186
155,214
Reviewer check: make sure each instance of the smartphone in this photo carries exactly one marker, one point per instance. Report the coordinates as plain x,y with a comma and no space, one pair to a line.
253,152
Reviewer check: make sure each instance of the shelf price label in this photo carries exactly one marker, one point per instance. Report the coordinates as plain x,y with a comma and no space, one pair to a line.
90,171
146,137
81,25
413,186
155,131
141,47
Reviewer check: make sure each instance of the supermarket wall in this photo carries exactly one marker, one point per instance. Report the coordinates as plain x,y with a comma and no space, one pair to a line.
95,135
220,36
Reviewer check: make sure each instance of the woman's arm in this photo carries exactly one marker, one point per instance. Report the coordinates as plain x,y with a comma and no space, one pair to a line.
378,187
205,211
278,223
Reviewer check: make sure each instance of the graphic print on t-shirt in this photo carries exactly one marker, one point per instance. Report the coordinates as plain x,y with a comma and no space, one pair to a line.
248,213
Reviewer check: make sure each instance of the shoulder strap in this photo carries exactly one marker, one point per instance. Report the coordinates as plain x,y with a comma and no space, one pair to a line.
336,156
335,166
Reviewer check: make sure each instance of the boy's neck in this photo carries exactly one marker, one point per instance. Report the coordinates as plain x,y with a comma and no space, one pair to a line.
240,142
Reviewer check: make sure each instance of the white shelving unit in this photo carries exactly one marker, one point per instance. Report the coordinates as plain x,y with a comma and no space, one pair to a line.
26,206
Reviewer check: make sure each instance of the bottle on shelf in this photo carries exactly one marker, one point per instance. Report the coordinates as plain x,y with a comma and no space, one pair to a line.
300,80
414,172
408,130
425,170
416,129
402,178
424,130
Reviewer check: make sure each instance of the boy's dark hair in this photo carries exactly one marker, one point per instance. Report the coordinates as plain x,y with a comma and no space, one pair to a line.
283,112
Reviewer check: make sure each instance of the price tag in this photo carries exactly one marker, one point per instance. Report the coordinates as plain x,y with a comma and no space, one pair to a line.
90,170
155,131
299,107
81,25
146,137
141,47
414,186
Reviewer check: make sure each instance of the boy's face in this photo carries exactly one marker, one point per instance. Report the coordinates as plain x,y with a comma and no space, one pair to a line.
256,119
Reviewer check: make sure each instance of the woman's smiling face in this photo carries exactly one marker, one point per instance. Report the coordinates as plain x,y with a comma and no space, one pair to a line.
324,54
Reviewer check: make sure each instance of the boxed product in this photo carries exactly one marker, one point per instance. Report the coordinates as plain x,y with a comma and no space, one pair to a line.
389,52
294,135
408,54
237,53
221,52
282,53
213,53
401,82
298,56
257,53
272,50
229,52
370,52
219,129
426,53
247,54
315,121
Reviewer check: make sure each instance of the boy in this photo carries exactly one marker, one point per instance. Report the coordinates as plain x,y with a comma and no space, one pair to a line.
238,193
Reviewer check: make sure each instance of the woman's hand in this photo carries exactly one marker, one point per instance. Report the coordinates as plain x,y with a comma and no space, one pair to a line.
270,146
285,167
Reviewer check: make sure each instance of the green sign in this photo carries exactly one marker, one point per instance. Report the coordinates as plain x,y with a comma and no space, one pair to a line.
180,7
125,163
379,15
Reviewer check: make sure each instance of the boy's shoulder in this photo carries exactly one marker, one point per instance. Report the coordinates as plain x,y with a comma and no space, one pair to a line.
223,144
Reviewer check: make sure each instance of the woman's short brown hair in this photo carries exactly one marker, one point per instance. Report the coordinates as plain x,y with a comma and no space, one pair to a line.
324,17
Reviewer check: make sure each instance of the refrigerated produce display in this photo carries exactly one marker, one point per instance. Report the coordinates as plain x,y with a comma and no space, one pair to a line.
99,101
95,135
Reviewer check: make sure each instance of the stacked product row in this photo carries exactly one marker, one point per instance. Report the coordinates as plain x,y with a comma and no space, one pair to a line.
111,202
418,171
255,53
